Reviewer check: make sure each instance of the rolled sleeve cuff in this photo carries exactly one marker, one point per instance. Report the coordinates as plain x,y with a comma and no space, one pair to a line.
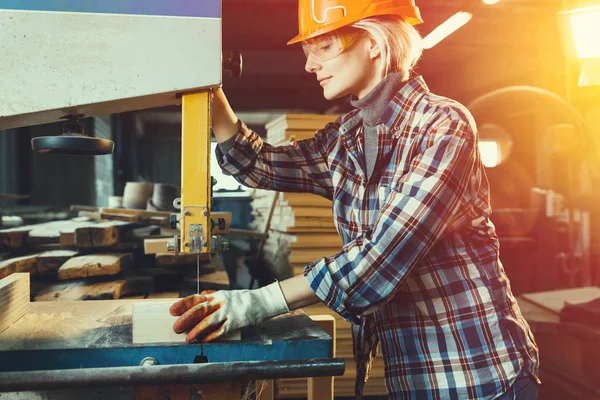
319,280
238,153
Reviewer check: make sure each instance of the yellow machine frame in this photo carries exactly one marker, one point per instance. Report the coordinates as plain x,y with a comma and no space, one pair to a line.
195,224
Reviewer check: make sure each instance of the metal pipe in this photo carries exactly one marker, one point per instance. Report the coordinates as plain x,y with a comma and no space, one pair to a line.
169,374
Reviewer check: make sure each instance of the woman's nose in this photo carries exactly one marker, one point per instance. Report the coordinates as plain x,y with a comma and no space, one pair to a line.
311,65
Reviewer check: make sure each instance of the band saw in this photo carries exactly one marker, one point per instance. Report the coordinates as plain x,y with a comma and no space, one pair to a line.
64,60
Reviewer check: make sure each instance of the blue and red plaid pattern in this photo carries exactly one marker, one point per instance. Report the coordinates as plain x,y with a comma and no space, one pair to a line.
419,272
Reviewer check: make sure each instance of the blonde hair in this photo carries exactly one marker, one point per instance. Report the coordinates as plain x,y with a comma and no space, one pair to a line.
399,42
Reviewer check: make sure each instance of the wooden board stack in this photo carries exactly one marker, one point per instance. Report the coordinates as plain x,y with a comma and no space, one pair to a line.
294,127
14,299
296,238
89,258
301,228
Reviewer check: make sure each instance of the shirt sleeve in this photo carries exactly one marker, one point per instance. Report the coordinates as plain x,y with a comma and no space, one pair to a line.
424,202
298,167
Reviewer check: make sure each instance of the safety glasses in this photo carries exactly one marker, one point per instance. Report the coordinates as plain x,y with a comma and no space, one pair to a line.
330,45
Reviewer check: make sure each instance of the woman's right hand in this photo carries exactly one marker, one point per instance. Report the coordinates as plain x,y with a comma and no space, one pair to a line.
223,120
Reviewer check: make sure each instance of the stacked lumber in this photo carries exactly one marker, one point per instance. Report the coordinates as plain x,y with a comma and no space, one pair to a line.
301,230
299,225
294,127
94,257
14,299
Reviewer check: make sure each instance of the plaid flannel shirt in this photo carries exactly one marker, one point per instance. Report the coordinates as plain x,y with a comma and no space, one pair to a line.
419,272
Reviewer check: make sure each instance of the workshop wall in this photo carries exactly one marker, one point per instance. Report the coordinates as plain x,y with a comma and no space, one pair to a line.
103,165
160,155
59,180
10,155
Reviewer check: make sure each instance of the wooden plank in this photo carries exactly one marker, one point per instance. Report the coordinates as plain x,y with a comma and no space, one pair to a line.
308,256
300,229
14,299
155,246
142,215
299,122
55,291
94,265
319,212
170,259
218,280
555,300
305,200
163,295
93,290
152,323
49,233
162,218
53,260
313,222
15,238
322,387
103,234
117,289
67,233
303,241
35,263
67,239
83,287
25,264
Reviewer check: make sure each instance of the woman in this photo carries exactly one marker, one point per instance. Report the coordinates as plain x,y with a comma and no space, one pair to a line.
419,272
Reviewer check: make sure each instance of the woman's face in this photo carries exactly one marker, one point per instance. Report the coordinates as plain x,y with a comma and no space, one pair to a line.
353,72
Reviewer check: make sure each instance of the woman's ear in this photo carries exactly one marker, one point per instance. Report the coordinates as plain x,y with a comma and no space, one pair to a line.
374,51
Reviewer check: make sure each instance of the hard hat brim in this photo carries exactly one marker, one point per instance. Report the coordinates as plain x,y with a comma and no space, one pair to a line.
332,27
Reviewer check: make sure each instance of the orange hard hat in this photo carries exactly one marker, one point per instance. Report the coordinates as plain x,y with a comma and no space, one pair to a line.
316,17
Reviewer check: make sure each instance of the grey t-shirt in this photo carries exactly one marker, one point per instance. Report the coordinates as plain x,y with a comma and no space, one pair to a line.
371,107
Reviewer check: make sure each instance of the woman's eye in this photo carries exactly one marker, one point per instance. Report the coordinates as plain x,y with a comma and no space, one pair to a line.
325,47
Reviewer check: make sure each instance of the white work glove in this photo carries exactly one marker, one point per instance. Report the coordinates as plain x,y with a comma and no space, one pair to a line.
211,314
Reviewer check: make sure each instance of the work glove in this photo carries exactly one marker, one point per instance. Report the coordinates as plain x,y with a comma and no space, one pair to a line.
211,314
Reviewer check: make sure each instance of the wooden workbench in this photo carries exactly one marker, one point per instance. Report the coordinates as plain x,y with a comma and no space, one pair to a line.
81,339
569,352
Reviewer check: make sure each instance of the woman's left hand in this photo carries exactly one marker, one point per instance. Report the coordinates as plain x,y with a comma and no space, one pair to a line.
211,314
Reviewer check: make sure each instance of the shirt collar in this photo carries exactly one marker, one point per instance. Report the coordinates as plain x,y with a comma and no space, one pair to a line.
403,102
